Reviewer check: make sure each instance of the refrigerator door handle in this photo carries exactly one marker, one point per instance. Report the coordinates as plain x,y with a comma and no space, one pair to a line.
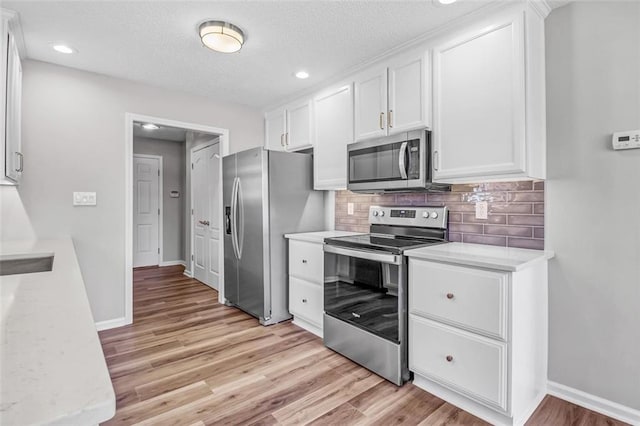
240,232
234,211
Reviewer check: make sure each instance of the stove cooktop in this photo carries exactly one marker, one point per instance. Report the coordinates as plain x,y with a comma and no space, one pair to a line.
389,243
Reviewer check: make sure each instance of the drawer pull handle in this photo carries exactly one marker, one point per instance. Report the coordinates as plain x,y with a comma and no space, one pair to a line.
449,358
304,261
450,296
304,300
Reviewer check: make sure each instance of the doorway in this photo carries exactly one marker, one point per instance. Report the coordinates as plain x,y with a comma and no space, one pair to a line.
205,204
147,214
214,271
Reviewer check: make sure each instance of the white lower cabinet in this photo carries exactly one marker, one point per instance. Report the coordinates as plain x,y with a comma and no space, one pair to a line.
305,301
478,337
470,363
306,276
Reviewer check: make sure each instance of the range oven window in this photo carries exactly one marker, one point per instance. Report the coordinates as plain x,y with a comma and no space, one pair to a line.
363,293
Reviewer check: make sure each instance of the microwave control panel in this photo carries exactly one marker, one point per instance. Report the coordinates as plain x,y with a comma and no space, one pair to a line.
626,140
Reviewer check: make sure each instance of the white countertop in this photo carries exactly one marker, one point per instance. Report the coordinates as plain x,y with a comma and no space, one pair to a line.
318,237
53,369
480,255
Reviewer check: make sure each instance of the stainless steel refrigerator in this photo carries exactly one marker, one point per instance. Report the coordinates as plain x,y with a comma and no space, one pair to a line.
266,194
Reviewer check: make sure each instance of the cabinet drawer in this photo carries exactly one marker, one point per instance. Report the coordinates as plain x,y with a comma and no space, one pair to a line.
465,297
306,261
305,300
471,364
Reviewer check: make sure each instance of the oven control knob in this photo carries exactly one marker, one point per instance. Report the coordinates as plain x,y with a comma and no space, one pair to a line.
425,215
434,215
381,213
375,213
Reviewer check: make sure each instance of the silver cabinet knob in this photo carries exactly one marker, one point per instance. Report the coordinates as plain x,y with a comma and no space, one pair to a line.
449,358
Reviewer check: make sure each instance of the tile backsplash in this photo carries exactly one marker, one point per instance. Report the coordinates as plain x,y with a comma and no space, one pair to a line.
515,219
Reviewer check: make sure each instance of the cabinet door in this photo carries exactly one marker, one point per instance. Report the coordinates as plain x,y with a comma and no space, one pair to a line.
479,103
333,113
274,123
409,106
14,159
299,126
371,104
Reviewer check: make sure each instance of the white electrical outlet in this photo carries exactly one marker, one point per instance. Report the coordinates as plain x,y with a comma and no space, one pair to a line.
350,208
84,199
482,210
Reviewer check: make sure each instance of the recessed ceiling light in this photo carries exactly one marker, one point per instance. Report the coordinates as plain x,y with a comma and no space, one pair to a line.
446,1
150,126
63,48
221,36
302,75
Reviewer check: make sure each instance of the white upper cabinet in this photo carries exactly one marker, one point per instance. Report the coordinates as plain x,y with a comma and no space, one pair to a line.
11,156
333,111
409,98
487,114
371,104
275,125
299,126
393,98
289,128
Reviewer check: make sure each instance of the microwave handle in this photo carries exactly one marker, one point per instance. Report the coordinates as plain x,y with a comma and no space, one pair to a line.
401,163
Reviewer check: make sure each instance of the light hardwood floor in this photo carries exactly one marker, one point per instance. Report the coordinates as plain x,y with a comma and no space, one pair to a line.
190,360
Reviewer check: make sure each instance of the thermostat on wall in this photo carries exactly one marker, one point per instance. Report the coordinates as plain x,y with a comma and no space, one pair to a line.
626,140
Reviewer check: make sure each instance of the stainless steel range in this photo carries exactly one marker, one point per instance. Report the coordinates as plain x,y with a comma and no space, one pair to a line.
365,287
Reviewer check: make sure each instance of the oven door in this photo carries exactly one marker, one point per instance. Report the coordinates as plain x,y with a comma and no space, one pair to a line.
393,163
367,289
365,305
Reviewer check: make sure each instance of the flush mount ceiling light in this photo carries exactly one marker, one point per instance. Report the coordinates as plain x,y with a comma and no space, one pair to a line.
446,1
63,48
302,75
150,126
221,36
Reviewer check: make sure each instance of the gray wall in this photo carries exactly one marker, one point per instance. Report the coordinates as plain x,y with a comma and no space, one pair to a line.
173,179
73,133
593,198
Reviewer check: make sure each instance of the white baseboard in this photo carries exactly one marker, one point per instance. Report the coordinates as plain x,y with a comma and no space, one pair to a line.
594,403
173,263
113,323
188,273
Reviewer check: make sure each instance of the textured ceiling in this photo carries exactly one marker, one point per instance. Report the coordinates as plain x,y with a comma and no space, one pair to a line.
157,42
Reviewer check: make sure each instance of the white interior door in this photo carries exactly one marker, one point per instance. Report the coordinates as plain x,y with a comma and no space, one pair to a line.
205,180
146,211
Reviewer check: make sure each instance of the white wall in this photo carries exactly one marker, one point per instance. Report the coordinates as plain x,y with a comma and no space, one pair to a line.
593,198
73,139
14,220
173,179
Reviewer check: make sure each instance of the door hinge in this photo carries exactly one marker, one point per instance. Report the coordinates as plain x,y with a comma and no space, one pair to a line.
158,250
191,166
158,172
191,257
158,212
191,212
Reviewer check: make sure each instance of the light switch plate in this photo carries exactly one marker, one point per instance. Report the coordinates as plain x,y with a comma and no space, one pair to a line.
84,199
481,210
349,208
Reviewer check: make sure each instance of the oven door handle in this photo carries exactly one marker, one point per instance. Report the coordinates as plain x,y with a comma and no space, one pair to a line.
376,256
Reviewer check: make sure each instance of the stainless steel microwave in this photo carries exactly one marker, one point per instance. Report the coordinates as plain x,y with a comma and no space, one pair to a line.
392,164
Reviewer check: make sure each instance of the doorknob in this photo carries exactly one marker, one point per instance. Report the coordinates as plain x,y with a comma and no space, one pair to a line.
204,222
